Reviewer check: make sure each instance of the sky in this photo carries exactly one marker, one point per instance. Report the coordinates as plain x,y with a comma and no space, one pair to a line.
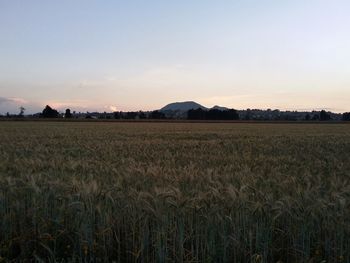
112,55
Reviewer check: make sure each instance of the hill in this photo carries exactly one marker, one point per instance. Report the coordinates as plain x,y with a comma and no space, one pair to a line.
216,107
182,106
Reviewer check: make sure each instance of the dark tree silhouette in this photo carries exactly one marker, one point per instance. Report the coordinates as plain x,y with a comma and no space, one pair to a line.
307,117
116,115
48,112
68,114
212,114
21,111
131,115
247,116
233,114
102,115
316,117
197,114
157,115
346,116
324,116
142,115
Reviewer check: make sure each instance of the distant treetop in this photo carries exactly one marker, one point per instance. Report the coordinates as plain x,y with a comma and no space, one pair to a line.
48,112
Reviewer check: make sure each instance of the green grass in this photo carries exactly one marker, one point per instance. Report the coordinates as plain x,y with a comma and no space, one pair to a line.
166,192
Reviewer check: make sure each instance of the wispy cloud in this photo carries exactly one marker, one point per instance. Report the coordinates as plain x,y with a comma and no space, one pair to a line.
112,108
12,104
81,105
61,105
4,100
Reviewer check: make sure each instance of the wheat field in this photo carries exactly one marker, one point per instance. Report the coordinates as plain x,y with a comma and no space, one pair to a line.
174,192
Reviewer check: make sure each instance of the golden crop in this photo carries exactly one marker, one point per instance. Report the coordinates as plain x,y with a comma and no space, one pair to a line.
174,192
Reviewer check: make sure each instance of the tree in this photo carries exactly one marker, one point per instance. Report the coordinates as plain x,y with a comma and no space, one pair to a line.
212,114
68,114
324,116
48,112
21,111
130,115
247,116
117,115
157,115
346,116
233,114
307,117
197,114
315,117
142,115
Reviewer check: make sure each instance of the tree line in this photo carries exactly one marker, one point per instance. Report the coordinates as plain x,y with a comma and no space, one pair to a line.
193,114
212,114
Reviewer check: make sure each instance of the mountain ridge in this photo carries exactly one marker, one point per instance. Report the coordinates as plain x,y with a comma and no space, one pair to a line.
189,105
183,106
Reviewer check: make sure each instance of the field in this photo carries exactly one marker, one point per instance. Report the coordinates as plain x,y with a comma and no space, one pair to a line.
174,192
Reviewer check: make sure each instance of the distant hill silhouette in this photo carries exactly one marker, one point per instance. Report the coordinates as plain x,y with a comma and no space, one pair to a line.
216,107
189,105
183,106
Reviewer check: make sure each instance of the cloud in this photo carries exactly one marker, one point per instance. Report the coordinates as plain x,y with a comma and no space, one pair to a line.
4,100
81,105
72,104
11,104
113,108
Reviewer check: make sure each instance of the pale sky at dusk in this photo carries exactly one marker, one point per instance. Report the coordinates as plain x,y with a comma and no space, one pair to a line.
112,55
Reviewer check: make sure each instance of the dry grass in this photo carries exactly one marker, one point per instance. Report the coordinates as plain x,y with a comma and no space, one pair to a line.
148,192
